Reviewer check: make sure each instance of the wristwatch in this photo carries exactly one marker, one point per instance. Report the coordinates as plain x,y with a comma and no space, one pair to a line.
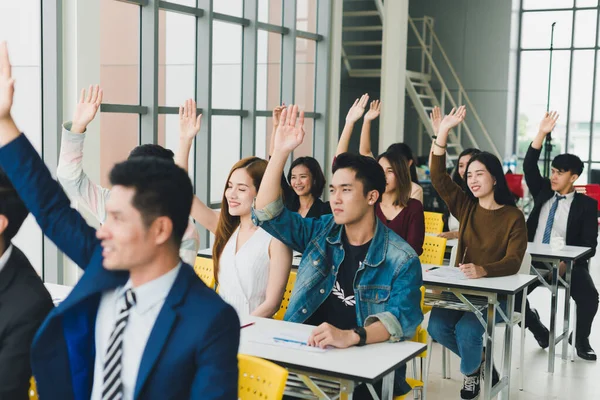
362,334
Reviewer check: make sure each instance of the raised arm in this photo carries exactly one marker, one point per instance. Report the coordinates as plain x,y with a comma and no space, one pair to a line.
189,126
449,191
279,272
354,114
204,215
365,132
533,177
436,119
276,118
31,178
70,171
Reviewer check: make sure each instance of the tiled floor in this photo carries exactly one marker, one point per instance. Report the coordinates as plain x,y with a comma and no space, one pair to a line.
571,380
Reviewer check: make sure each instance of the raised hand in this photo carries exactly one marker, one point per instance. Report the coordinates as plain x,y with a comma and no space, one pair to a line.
452,120
7,83
358,109
548,123
86,108
374,111
189,123
277,114
290,132
436,118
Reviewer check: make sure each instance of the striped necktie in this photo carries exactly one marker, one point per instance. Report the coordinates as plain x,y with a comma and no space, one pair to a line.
112,385
550,221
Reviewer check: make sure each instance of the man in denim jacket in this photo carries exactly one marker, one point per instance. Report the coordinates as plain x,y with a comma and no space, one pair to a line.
358,281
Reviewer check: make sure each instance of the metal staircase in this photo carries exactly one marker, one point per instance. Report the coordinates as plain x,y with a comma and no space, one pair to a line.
361,51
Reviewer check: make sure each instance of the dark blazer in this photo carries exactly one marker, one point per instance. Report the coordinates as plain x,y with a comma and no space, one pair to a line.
24,303
582,223
192,350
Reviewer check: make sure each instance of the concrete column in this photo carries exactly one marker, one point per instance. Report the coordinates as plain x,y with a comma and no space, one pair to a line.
393,72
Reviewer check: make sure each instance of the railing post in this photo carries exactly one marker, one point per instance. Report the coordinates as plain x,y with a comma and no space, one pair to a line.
460,125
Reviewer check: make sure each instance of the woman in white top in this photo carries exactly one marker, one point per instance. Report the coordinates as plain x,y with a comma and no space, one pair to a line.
251,267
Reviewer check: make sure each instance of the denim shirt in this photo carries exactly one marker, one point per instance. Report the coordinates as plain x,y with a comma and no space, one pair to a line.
386,286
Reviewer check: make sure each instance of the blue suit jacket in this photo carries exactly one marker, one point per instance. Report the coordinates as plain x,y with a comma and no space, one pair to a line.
192,350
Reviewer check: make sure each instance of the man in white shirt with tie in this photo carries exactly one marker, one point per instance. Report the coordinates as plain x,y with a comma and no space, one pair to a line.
561,214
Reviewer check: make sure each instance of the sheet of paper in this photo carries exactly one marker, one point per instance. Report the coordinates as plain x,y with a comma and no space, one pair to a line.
288,339
448,272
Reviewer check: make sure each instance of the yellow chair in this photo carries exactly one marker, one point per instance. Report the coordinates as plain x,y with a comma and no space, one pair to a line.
32,389
204,268
434,222
286,297
420,337
260,379
434,248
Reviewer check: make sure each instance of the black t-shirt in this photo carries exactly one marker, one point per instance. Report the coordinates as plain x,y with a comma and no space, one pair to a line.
339,307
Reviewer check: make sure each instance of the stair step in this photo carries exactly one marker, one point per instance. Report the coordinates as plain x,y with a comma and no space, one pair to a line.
363,28
419,84
425,96
365,13
365,73
363,43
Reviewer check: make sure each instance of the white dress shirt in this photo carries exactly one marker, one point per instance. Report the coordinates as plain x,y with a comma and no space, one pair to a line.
559,227
150,298
5,257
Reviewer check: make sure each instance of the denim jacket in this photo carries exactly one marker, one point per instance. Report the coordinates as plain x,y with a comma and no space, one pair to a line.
386,286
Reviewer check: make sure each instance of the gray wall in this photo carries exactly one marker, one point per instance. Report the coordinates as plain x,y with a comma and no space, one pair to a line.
476,35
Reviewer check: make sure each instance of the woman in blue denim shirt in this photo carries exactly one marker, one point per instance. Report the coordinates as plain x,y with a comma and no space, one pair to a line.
385,289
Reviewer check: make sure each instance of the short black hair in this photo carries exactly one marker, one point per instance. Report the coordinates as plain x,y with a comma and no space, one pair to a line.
367,170
568,162
12,207
161,189
318,183
152,150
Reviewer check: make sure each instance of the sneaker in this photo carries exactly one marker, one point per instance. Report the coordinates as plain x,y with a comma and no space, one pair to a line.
495,375
471,386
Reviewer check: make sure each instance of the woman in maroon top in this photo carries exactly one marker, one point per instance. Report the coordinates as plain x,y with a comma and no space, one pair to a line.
397,210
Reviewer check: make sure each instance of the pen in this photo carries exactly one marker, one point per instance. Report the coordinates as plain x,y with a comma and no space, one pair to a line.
278,339
464,256
247,325
431,269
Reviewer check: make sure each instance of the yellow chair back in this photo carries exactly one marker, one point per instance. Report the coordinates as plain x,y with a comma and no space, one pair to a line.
434,222
204,268
287,295
433,250
260,379
32,389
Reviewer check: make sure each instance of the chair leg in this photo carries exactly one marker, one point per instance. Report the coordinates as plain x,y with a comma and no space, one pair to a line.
574,322
522,349
445,363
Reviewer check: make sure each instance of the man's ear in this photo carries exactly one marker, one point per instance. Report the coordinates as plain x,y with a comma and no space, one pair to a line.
573,178
162,228
3,224
372,197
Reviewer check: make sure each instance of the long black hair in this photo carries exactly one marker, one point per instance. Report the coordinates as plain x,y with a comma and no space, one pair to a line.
403,150
502,194
455,175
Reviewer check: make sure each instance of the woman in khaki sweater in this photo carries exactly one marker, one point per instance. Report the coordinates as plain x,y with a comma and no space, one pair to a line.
492,238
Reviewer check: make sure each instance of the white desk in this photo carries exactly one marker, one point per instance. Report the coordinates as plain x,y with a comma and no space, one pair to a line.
367,364
490,289
545,253
295,259
58,292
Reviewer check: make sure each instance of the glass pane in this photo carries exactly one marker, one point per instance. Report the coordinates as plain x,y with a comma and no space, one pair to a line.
225,150
120,52
586,3
264,129
537,26
305,74
227,66
189,3
268,70
270,11
176,58
581,103
306,15
168,136
585,28
595,173
533,89
306,148
119,135
229,7
546,4
596,140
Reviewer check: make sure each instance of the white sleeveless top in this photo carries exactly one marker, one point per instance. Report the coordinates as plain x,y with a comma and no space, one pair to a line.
243,276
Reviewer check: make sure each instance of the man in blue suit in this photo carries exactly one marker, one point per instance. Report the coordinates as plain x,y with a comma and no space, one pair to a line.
139,324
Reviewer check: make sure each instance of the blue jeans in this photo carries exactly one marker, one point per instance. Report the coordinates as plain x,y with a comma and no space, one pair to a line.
462,333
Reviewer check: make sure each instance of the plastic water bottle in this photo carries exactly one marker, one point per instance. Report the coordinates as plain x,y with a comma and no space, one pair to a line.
505,165
513,163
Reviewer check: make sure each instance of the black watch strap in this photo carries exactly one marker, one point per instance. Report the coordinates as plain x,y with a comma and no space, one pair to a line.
362,334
